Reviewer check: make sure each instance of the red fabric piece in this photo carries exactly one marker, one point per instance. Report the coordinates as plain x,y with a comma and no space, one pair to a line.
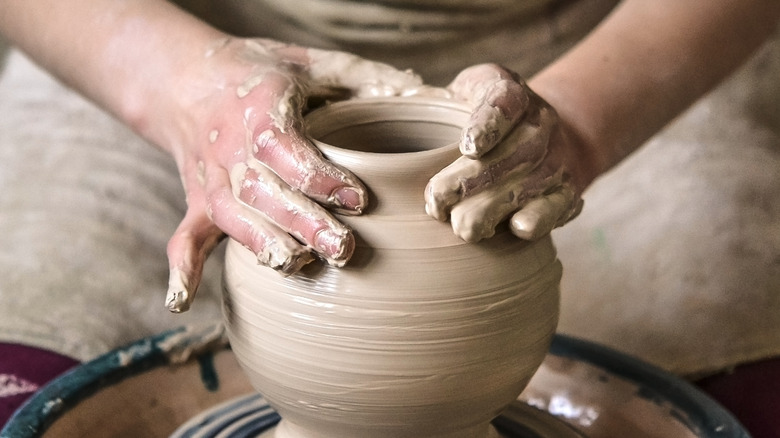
23,370
752,393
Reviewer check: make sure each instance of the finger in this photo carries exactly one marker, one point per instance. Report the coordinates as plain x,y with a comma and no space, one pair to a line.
187,251
363,77
296,161
518,154
499,99
539,216
330,71
475,218
260,188
277,142
272,246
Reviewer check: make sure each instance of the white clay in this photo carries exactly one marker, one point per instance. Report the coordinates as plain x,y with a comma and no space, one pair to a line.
365,78
421,334
201,173
178,297
244,89
215,46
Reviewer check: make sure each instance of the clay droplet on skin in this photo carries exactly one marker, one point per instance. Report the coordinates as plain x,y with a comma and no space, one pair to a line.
260,49
215,46
201,174
285,108
249,115
244,89
264,137
213,136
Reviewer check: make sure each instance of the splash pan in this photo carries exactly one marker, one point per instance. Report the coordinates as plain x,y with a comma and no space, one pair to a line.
188,383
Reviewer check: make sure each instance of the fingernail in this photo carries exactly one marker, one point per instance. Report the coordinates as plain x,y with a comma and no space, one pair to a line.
335,246
349,198
178,298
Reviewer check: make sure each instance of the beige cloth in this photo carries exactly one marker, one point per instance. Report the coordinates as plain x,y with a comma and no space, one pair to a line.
676,256
86,209
533,34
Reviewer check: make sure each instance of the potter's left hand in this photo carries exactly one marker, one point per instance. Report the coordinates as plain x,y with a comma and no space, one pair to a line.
247,167
514,162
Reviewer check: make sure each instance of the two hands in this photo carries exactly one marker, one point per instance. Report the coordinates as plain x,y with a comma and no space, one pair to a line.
249,171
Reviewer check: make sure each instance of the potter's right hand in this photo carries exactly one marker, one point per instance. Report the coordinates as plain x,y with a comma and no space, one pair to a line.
517,162
247,168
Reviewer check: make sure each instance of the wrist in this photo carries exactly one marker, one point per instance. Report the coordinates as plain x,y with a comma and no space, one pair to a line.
156,98
582,159
583,156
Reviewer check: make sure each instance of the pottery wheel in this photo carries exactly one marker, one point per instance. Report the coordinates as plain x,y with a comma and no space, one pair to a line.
250,416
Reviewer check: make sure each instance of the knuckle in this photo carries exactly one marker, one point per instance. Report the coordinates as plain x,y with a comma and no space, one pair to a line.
265,143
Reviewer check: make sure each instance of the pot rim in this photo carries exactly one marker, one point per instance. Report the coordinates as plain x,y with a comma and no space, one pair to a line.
343,114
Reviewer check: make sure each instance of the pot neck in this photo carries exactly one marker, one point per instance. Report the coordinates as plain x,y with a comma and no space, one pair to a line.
393,145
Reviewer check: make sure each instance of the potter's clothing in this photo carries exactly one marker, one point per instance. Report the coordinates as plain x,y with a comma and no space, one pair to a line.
524,34
399,24
675,258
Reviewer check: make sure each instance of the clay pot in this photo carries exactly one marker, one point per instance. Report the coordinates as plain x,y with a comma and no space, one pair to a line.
421,334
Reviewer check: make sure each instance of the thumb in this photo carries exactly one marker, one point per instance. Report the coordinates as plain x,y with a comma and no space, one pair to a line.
188,249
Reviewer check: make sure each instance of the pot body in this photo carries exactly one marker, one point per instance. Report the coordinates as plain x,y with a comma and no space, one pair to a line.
420,334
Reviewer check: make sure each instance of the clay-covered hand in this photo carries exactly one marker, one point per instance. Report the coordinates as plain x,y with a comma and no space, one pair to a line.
247,167
515,162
